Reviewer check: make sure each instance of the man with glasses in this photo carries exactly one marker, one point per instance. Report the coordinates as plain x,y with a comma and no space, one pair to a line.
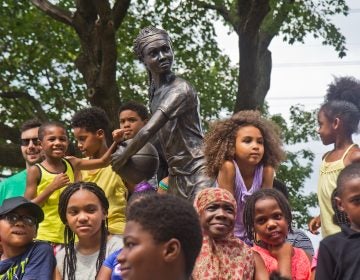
21,257
31,151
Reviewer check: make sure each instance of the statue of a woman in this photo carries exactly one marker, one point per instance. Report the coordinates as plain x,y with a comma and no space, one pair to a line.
175,117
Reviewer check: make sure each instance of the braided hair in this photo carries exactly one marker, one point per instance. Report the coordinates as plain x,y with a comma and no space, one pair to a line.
69,267
249,210
340,217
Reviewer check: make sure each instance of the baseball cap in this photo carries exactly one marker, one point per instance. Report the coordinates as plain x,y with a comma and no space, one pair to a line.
13,203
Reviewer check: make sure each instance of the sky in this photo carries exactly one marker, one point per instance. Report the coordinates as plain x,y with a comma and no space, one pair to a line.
302,72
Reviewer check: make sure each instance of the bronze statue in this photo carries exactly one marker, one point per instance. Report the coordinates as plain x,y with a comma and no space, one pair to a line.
175,120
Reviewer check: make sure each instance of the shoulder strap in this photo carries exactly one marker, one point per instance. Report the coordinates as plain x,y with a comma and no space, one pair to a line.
347,151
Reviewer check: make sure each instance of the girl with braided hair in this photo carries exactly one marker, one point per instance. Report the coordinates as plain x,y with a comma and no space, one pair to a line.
242,153
267,219
175,119
83,209
338,119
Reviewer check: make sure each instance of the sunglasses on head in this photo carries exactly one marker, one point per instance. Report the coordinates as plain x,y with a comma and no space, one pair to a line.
13,218
26,141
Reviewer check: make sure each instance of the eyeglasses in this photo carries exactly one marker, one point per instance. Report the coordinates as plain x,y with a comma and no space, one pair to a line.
13,218
26,141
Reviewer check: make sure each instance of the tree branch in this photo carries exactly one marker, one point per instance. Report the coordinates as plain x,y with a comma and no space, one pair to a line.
273,22
119,12
53,11
16,94
255,16
220,9
103,10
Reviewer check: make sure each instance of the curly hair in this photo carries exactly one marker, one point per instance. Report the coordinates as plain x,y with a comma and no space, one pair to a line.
249,210
343,101
69,236
219,142
167,216
46,125
137,107
91,119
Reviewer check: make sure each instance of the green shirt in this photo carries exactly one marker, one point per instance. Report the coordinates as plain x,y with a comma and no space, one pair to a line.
13,186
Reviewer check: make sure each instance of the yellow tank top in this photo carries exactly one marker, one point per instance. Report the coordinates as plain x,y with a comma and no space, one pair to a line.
116,193
329,171
52,229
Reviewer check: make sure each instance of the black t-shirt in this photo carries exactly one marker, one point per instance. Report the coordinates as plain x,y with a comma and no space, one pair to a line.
339,256
38,262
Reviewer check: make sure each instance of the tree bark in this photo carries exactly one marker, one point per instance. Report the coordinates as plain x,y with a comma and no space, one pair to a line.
10,156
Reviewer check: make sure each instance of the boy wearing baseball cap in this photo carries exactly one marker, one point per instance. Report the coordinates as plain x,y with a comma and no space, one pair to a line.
21,256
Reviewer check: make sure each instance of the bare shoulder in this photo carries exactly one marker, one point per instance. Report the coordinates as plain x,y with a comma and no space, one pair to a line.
33,171
228,167
354,155
268,170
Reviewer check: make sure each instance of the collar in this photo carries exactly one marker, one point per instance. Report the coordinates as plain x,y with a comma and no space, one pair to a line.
349,233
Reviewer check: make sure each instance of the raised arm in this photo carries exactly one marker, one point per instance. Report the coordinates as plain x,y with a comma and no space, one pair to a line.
157,121
89,164
226,176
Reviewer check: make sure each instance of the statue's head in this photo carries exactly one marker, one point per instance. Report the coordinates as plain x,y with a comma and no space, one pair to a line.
146,36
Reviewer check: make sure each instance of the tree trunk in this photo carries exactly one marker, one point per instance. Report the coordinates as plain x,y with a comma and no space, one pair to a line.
97,64
254,72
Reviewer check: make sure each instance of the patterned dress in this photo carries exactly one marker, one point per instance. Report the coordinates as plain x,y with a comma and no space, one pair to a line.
225,259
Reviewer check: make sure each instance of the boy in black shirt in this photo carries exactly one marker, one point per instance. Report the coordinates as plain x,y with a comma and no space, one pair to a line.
339,254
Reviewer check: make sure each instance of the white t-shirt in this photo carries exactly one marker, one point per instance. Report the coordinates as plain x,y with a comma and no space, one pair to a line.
86,264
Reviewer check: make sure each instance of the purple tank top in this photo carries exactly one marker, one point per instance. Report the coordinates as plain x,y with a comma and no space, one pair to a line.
241,194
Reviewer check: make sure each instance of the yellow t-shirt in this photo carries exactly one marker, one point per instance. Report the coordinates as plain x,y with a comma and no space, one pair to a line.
329,172
51,228
115,191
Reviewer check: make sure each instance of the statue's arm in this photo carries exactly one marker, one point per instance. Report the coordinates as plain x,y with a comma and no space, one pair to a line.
157,120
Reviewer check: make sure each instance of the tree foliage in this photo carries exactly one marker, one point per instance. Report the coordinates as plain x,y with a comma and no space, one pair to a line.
55,63
257,22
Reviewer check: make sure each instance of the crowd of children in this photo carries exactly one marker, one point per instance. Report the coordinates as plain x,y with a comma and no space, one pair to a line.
75,218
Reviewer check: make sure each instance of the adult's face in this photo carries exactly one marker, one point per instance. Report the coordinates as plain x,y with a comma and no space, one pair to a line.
158,56
218,219
30,146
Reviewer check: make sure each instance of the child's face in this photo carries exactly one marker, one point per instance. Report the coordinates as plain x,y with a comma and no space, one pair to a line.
349,202
84,214
270,224
89,143
249,146
131,122
141,257
55,142
17,231
325,130
217,219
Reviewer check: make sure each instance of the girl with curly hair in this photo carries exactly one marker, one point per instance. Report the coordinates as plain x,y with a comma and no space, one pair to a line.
242,153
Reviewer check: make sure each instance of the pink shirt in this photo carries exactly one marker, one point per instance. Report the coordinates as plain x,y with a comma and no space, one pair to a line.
300,263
